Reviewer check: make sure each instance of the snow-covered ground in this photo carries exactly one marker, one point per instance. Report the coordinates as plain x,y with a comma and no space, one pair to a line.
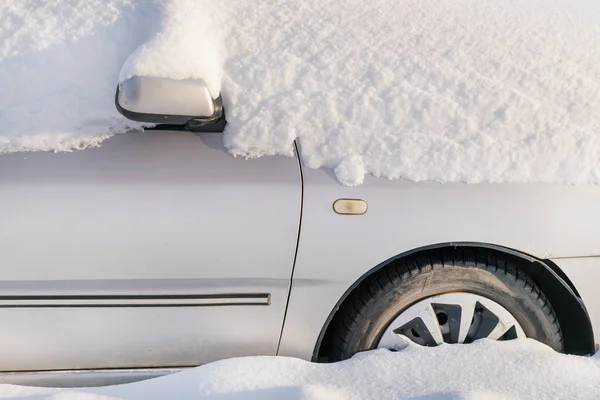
463,90
520,369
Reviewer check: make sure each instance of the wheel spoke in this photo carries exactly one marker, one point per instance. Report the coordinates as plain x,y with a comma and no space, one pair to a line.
499,330
467,309
422,320
432,325
392,341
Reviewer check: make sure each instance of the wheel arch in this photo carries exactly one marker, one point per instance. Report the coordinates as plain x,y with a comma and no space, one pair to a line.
563,295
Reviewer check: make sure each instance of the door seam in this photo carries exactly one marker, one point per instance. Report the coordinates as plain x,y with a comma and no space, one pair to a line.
287,303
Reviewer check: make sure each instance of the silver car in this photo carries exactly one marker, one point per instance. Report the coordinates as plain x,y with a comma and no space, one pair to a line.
159,251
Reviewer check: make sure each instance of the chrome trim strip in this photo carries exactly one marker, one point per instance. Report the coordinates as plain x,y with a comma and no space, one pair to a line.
240,299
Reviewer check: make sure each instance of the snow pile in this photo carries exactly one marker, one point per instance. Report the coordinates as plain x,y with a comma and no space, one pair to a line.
188,43
60,62
464,90
519,369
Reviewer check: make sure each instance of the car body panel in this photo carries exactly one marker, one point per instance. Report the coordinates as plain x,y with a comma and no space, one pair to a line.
536,219
84,378
168,216
135,218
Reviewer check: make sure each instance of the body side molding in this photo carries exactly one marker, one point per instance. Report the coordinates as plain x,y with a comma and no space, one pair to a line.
175,300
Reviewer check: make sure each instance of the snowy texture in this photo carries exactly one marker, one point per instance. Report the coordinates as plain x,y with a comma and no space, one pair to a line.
464,90
188,42
519,369
60,62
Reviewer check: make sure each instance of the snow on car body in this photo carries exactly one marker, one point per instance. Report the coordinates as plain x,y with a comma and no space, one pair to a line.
159,250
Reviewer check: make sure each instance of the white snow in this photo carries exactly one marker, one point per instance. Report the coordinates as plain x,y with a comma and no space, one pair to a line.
187,42
519,369
463,90
60,62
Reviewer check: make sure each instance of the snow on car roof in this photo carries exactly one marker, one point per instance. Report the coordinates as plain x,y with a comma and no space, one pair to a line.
472,91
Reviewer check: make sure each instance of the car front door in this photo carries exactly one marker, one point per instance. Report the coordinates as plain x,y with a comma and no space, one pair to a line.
156,249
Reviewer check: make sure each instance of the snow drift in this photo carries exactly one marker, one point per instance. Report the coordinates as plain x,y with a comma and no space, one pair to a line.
518,369
468,90
60,62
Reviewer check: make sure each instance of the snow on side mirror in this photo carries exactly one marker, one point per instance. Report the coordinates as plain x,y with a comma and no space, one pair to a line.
186,103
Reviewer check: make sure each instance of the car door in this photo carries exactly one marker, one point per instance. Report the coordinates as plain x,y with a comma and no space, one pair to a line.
156,249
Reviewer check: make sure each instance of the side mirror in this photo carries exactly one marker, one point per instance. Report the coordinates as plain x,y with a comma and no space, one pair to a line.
182,103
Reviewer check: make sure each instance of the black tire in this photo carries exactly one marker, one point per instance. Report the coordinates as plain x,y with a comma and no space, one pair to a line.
377,301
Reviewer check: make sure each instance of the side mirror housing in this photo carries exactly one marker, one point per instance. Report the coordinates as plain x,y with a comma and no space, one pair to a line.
181,103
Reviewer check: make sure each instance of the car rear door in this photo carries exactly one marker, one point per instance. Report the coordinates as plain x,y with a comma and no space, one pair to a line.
156,249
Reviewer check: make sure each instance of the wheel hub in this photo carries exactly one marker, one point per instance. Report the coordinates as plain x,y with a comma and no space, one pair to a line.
451,318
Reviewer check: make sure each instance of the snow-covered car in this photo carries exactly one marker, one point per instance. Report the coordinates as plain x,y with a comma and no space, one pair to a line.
159,251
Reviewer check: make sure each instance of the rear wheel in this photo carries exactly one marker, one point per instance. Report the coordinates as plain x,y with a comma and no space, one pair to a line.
446,299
